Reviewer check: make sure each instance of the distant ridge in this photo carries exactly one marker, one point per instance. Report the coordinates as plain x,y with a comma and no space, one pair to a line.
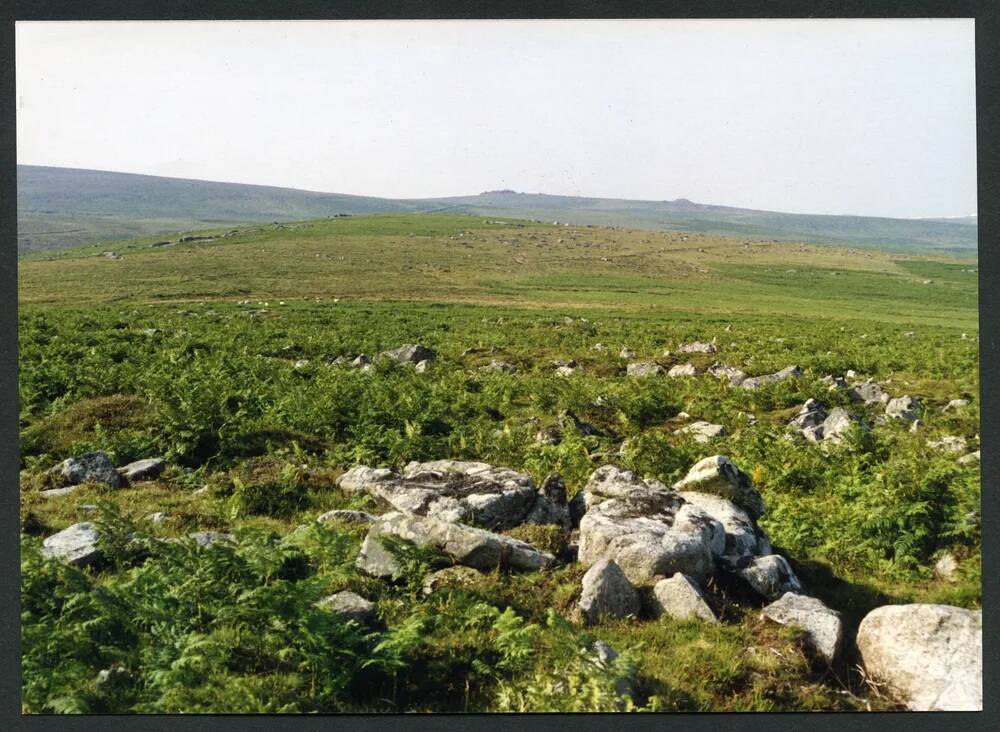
65,207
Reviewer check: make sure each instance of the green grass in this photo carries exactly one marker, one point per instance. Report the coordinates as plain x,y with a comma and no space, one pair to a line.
160,354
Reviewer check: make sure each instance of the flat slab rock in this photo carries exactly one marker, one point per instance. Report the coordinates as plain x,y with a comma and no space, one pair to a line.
824,629
142,469
77,545
931,656
702,432
753,382
650,531
452,490
465,545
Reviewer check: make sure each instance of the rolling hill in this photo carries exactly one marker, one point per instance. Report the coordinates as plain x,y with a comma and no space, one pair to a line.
65,207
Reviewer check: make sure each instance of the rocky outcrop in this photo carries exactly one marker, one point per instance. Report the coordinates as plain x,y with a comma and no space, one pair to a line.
607,593
452,490
743,537
823,627
931,656
718,476
466,545
650,533
551,506
680,598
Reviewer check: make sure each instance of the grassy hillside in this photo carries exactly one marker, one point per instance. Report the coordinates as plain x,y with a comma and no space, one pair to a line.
221,355
62,207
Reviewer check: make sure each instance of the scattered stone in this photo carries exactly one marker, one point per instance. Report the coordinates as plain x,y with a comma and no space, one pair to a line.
361,361
680,598
77,545
786,373
930,655
466,545
824,629
113,677
697,347
347,517
946,567
835,382
702,432
422,366
598,347
838,423
206,539
868,392
644,368
810,420
157,518
91,467
300,364
451,490
349,605
411,353
717,475
771,576
971,459
956,404
56,492
607,593
501,366
457,576
549,435
730,373
683,369
949,443
626,353
566,370
904,407
143,469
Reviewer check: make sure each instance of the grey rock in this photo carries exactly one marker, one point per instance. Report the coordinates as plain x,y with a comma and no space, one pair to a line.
949,443
143,469
56,492
946,567
680,598
78,544
702,432
157,518
743,537
551,506
91,467
904,407
753,382
607,593
971,459
644,368
838,423
349,605
824,629
466,545
577,508
732,374
682,369
113,677
771,576
422,366
451,490
209,538
411,353
810,420
626,353
697,347
501,366
719,476
361,361
347,517
868,392
956,404
930,656
651,534
551,435
451,577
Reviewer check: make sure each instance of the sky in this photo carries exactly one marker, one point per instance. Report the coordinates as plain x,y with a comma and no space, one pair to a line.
866,117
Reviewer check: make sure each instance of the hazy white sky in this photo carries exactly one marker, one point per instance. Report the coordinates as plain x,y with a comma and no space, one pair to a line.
864,117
